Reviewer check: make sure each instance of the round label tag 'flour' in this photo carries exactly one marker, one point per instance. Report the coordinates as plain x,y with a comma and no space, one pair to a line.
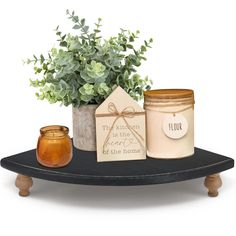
175,126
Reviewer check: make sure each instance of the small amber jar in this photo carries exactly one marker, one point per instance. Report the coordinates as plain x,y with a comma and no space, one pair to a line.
54,148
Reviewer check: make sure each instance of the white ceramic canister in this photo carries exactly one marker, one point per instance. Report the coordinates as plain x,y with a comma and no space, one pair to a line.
169,123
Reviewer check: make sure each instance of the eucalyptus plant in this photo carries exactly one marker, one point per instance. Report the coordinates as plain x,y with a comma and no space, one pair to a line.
85,68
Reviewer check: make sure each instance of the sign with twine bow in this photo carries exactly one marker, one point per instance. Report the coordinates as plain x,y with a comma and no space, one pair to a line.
120,128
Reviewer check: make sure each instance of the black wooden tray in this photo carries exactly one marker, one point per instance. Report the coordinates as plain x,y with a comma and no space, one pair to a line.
84,169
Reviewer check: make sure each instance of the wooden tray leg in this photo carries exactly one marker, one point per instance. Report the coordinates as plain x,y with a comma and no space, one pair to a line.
213,183
24,183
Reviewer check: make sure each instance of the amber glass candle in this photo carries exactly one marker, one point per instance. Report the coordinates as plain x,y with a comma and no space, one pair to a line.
54,148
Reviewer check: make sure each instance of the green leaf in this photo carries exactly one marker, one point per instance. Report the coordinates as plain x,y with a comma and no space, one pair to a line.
131,39
76,26
129,46
62,93
63,37
82,22
54,52
86,28
143,48
63,44
75,19
86,98
126,75
45,67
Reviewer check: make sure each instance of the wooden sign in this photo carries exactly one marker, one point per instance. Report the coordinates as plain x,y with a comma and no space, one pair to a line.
120,128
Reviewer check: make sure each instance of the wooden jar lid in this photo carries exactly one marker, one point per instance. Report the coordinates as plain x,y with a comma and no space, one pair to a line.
168,97
169,93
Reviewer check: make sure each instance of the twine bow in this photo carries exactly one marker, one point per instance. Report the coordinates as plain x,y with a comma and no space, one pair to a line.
154,104
127,112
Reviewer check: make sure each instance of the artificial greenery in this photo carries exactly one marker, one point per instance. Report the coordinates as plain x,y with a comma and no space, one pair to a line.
86,68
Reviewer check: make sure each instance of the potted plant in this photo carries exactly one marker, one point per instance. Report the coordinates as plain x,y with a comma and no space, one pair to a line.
84,69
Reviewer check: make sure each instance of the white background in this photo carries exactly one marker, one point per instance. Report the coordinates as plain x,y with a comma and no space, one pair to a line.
195,47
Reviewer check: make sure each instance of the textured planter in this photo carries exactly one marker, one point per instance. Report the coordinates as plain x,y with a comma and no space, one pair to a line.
84,130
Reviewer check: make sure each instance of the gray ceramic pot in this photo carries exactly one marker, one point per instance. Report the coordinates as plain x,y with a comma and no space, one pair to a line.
84,129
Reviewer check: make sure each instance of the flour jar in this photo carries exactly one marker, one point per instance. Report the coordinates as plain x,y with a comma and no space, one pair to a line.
169,123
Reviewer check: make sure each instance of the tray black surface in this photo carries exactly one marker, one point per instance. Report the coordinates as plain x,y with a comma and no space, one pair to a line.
84,169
